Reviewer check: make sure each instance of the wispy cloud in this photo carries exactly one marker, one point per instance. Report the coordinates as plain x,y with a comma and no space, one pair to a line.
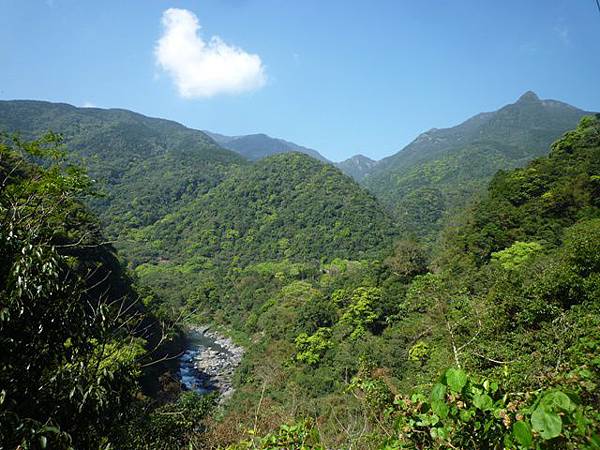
87,104
204,68
562,32
529,48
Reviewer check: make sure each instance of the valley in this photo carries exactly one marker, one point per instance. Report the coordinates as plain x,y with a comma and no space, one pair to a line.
269,225
345,305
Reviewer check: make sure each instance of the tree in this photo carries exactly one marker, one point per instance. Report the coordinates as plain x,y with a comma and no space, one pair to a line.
408,259
70,356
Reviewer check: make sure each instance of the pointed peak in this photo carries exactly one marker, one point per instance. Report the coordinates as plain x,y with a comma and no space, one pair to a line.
361,156
528,96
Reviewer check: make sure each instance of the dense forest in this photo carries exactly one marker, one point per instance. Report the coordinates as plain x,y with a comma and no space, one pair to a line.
437,174
414,317
493,344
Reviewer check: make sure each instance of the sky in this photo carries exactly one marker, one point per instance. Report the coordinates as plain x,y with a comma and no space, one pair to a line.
342,77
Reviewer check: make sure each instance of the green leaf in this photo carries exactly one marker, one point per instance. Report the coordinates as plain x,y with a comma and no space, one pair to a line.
548,424
580,421
522,432
483,402
43,441
443,433
456,379
466,415
440,408
438,392
556,401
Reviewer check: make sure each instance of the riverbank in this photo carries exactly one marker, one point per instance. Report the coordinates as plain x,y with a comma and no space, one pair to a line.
209,362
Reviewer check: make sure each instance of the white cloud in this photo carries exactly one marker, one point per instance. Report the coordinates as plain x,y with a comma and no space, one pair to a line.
204,69
88,105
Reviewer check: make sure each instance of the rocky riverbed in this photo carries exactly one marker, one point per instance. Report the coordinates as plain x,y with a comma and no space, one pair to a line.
209,362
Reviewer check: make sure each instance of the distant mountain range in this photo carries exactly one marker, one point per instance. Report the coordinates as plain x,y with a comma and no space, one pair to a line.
257,146
153,166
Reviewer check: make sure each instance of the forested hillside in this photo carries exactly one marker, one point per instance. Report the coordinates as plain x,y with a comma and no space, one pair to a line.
81,343
356,335
145,167
178,204
496,348
441,170
288,208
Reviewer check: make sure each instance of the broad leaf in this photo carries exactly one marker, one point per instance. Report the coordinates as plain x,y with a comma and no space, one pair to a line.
522,432
548,424
456,379
556,401
483,402
438,392
440,408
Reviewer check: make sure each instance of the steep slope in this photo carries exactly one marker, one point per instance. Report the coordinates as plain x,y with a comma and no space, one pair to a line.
257,146
75,339
284,206
536,202
441,169
425,359
358,166
148,167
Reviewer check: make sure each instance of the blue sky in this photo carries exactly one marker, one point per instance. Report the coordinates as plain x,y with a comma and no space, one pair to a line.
343,77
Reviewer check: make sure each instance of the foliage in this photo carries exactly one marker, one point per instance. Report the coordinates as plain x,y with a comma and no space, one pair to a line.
72,351
438,173
408,260
360,312
291,255
309,349
285,207
521,318
298,436
172,425
464,411
516,255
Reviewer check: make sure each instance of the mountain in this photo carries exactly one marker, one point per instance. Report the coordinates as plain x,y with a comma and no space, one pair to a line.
441,169
348,343
286,206
506,330
358,166
257,146
536,202
172,197
146,167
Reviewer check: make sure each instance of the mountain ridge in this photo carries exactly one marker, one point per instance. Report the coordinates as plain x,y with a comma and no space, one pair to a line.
357,166
260,145
441,169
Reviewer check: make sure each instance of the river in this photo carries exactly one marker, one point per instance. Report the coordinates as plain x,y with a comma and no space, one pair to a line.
208,362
